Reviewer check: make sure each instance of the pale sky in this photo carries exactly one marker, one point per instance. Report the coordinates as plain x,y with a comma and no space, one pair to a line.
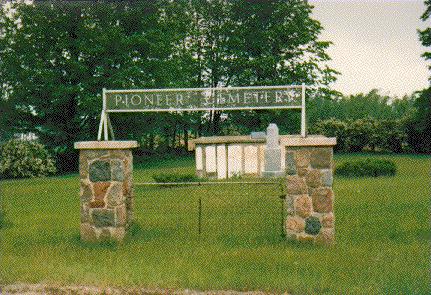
376,44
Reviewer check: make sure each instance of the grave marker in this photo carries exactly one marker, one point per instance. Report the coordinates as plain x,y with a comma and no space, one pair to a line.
272,153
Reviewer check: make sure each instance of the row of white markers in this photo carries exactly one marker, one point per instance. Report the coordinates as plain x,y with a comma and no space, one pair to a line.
231,159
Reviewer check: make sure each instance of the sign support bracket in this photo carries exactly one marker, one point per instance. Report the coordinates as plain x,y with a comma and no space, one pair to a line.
303,118
99,133
111,130
105,125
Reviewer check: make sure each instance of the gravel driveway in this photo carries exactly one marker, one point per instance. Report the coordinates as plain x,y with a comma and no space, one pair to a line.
39,289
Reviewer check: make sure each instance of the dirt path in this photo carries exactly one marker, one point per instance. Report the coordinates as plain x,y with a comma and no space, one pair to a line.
40,289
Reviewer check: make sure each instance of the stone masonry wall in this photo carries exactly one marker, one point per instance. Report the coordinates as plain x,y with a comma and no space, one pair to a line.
106,193
309,199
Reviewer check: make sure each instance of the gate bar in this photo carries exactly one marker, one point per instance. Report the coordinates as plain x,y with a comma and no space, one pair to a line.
204,183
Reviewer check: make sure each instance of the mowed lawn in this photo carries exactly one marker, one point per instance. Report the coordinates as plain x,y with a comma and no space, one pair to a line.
382,234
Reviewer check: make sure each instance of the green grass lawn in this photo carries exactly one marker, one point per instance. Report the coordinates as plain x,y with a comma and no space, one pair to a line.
382,233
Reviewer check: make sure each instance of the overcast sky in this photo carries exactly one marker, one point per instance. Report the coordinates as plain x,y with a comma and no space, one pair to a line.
375,44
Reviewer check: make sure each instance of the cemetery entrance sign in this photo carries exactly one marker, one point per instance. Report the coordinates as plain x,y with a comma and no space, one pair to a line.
106,177
201,99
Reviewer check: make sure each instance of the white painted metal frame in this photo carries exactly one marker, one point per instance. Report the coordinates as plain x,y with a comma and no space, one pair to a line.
105,122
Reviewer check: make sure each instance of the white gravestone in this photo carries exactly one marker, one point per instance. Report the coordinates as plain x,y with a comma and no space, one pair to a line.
250,159
234,160
221,162
199,164
261,159
210,159
272,153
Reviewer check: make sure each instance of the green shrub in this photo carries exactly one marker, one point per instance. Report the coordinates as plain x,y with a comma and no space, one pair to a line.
361,133
22,158
370,133
392,135
367,167
332,128
175,177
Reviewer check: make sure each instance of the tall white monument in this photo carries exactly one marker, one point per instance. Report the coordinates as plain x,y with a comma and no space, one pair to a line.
272,166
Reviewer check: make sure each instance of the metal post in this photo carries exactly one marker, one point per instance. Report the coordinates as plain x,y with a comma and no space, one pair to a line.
104,99
99,133
105,127
111,130
303,127
105,117
200,216
282,198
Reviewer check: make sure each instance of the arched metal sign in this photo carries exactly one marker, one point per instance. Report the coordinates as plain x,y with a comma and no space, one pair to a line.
200,99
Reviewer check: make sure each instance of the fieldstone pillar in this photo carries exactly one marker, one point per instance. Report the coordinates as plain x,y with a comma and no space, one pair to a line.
272,166
105,170
310,198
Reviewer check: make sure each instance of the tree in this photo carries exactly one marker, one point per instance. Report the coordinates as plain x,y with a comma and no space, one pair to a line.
239,43
56,58
280,46
425,35
419,128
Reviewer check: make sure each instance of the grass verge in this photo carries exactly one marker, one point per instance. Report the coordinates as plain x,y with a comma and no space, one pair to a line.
382,233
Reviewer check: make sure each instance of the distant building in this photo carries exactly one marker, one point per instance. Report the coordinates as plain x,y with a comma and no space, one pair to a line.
25,136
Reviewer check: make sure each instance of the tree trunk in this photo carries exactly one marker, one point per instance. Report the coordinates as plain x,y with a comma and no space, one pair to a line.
151,141
174,135
216,123
186,138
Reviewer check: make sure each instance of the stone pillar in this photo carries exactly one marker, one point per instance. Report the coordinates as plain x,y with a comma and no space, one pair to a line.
272,166
310,198
105,170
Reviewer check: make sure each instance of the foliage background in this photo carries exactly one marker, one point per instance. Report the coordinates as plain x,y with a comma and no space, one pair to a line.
56,57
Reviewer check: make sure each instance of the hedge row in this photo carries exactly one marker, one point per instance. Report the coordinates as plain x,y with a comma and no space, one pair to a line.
174,177
370,134
366,167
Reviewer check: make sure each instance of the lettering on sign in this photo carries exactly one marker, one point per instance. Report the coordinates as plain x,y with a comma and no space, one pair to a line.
203,99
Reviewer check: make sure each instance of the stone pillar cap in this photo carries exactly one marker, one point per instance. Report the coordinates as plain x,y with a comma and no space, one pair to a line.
310,140
106,145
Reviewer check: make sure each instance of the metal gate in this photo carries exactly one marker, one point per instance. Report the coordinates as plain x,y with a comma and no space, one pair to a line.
229,210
